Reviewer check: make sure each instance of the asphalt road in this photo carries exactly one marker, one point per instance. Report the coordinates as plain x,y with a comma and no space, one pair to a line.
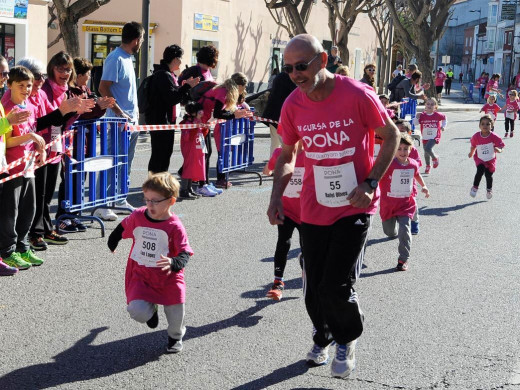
450,322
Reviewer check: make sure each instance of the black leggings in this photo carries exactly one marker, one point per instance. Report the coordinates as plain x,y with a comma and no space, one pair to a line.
511,122
333,254
162,148
482,170
283,245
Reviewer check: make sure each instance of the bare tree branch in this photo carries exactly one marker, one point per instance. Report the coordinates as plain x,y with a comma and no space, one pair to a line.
54,41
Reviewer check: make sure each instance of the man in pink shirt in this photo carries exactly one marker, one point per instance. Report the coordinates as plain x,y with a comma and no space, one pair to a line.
440,76
339,193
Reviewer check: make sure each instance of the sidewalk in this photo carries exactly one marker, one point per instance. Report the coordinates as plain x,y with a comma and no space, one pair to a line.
455,100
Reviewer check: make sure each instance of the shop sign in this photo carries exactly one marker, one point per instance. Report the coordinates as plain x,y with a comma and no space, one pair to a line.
14,8
206,22
103,29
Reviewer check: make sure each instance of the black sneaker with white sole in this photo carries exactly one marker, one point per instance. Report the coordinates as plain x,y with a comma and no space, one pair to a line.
174,346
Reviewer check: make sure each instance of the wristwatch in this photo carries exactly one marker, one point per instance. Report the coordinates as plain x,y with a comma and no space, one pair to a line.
372,183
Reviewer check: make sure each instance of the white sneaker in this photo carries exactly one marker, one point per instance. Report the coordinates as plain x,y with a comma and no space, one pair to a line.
206,191
124,204
105,214
473,192
345,360
489,194
318,356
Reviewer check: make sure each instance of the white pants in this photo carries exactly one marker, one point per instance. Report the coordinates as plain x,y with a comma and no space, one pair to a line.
142,311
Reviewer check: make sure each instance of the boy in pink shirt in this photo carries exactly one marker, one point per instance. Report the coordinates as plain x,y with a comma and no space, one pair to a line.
486,144
160,251
398,191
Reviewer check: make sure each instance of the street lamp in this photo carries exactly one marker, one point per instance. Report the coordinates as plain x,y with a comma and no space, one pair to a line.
476,49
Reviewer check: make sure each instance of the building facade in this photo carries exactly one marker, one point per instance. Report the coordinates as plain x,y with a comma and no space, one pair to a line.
244,32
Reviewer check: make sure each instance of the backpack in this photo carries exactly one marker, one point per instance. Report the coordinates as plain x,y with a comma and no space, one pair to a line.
397,79
198,91
143,95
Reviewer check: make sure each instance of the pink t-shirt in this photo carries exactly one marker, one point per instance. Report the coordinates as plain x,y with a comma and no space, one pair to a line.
431,125
338,137
485,153
491,109
397,190
291,197
439,79
481,82
14,153
491,84
143,279
512,106
206,74
193,152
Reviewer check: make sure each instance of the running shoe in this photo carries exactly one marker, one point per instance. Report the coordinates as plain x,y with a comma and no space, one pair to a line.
318,356
30,257
174,346
345,360
186,194
473,191
512,134
6,270
55,238
15,260
78,225
154,320
489,194
276,291
506,134
37,244
415,227
105,214
67,227
215,189
401,265
427,169
436,162
206,191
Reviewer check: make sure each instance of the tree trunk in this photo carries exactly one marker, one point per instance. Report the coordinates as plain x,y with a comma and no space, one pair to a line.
425,63
342,45
70,34
382,73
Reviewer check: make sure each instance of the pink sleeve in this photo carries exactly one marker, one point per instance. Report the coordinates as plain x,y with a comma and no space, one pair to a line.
128,226
473,141
290,133
180,240
272,161
499,143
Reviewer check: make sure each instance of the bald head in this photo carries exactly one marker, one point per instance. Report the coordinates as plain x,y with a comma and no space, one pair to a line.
305,43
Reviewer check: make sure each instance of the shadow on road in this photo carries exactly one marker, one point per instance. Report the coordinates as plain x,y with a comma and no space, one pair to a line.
444,211
375,273
84,361
293,253
276,377
244,319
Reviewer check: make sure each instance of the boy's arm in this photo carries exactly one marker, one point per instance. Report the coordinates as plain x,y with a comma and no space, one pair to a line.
115,237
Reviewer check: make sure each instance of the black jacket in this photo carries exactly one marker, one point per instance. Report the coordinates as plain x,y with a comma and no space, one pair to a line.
282,88
164,94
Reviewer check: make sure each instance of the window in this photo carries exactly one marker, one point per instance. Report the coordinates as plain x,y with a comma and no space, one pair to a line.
493,13
500,38
102,45
508,41
196,45
491,39
7,43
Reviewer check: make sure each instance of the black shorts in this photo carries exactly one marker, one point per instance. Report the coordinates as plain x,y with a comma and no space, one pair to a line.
438,89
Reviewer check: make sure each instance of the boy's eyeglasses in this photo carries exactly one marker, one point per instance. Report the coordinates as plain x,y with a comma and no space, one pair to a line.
301,67
154,202
40,76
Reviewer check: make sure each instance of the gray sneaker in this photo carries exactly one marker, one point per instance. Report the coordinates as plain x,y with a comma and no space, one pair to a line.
345,360
174,346
318,356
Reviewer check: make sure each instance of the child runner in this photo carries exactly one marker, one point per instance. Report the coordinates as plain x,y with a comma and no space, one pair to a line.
291,208
193,151
432,124
398,199
18,202
511,107
160,251
486,144
405,128
491,107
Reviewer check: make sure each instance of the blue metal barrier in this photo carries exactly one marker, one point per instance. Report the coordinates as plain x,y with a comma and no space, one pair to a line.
106,171
408,112
237,146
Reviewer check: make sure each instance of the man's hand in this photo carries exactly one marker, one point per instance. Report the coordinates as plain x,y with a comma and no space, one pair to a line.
241,113
39,142
40,159
106,102
17,116
361,196
275,212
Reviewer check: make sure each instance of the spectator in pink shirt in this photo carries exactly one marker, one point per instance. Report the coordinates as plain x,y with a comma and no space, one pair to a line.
440,76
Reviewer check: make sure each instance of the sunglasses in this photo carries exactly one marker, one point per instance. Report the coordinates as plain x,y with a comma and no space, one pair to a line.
40,76
5,75
371,70
300,67
64,70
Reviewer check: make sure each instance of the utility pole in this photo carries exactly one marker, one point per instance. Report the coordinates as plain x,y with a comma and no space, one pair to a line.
389,59
143,73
